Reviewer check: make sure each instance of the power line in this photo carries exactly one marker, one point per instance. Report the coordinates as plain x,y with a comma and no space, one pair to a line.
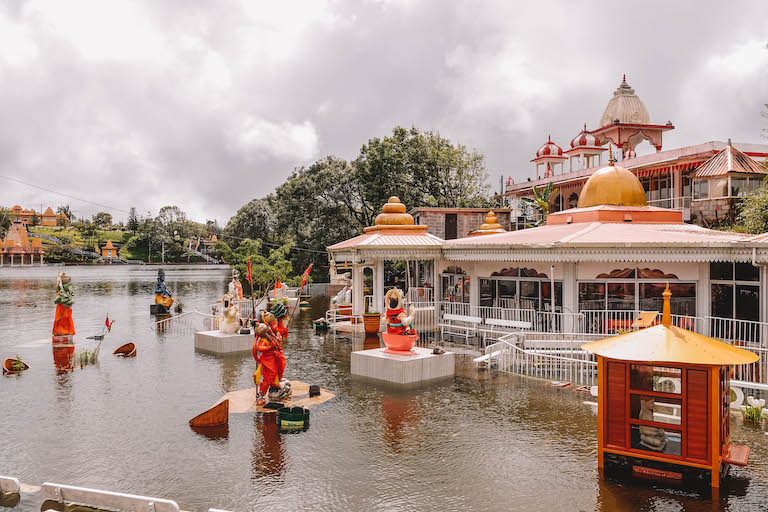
294,248
64,195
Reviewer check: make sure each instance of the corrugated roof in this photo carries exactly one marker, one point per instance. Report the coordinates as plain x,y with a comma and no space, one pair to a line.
389,240
728,160
602,234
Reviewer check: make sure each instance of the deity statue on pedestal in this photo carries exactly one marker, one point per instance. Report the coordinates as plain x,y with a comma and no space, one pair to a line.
270,360
229,321
63,326
279,311
163,296
235,288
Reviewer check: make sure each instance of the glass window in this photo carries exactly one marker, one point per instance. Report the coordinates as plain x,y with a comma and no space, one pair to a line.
747,272
738,187
655,439
656,409
507,294
621,296
487,292
754,184
591,296
529,295
700,189
546,298
660,379
722,300
721,271
718,187
747,302
683,301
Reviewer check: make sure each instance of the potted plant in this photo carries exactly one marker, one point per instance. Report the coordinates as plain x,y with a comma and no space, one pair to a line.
371,321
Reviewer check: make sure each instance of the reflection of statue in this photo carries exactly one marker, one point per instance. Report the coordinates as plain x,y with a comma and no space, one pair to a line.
235,288
163,296
65,297
269,452
652,437
229,321
268,352
63,326
397,321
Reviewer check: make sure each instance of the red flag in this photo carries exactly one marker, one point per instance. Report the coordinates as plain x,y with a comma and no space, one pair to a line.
305,275
108,324
248,276
278,284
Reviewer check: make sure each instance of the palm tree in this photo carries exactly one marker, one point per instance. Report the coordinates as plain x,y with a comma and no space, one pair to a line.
540,202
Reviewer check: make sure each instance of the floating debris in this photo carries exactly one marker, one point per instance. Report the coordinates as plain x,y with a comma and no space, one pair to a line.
215,416
127,350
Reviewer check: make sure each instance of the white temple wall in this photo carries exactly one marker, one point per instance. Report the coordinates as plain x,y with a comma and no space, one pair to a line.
684,271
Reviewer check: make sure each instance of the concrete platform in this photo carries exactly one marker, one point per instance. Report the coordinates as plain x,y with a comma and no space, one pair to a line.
214,342
244,400
403,369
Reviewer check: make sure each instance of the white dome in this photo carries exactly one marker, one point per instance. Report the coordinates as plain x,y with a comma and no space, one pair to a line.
549,149
584,139
626,107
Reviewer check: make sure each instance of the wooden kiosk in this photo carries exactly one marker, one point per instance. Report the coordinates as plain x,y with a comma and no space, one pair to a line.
664,404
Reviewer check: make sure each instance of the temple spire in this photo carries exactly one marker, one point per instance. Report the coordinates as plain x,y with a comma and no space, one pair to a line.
666,316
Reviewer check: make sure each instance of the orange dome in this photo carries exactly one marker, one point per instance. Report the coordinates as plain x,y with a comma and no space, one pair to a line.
612,185
393,214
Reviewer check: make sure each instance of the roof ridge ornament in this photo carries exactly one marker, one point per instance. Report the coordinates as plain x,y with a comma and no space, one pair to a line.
610,155
666,316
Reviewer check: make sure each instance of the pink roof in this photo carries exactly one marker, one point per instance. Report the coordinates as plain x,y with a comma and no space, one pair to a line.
728,160
595,234
389,240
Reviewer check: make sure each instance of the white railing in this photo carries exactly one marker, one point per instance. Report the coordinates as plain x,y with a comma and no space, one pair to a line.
334,317
96,498
548,321
611,322
575,366
420,295
673,203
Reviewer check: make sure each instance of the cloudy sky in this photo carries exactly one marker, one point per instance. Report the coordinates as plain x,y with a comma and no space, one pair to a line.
207,105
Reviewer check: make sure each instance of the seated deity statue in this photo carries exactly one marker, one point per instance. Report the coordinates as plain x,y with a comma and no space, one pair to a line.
229,321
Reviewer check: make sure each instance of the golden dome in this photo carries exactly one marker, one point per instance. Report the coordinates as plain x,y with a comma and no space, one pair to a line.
393,214
612,185
491,222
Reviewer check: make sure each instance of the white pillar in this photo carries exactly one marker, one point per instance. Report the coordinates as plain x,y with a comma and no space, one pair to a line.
704,296
378,285
436,292
358,297
474,288
570,295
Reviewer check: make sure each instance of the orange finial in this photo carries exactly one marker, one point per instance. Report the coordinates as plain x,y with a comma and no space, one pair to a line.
666,315
610,155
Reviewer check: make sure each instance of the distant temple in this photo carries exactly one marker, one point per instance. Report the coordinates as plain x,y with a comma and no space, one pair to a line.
705,181
47,218
16,248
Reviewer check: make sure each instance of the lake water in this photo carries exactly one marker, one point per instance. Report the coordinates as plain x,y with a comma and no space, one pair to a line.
480,441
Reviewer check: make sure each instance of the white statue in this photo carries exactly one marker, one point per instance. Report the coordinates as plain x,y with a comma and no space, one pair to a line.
652,437
229,321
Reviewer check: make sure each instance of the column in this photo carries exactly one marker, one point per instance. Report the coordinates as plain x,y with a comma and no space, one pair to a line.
704,297
570,296
436,292
378,285
474,289
12,258
358,297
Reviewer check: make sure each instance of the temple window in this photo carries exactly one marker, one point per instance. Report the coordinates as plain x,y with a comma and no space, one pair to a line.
455,285
636,289
701,189
573,200
735,291
520,292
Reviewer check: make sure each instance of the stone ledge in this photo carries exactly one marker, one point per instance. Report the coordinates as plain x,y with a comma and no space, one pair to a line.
214,342
402,369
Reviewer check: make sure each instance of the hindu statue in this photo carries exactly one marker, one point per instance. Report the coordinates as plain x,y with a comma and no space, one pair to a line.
63,326
235,288
397,321
229,321
279,312
270,364
163,296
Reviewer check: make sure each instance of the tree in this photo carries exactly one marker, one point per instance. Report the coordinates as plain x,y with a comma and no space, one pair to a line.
133,220
6,217
89,233
35,220
66,211
102,220
540,202
265,269
254,220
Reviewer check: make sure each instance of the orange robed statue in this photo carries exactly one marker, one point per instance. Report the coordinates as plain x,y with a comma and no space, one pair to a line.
65,297
268,352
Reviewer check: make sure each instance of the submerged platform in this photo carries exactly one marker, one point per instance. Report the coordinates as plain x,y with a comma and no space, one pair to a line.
422,366
244,400
214,342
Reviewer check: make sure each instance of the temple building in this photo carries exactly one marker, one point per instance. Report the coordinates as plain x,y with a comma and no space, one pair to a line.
108,250
46,218
16,249
451,223
592,267
695,180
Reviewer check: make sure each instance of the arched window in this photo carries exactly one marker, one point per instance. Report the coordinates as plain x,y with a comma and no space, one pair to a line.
573,200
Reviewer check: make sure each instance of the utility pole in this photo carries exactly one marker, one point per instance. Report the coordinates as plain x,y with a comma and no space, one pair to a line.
163,252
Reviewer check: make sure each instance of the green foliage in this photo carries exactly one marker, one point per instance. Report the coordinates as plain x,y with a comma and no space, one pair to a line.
6,217
133,220
540,201
84,357
66,211
89,233
35,220
753,211
102,220
264,269
17,365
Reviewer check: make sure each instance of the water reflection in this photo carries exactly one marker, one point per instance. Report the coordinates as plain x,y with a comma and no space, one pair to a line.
268,452
401,416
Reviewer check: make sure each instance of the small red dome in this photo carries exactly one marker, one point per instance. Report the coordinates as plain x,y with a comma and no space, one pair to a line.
549,149
584,139
630,153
